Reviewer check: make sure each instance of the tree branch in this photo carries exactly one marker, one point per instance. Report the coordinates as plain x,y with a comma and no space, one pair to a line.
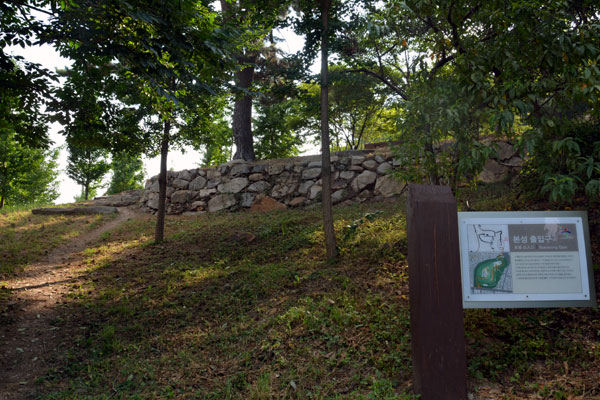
382,78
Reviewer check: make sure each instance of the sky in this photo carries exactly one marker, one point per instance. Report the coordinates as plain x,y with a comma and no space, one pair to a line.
176,160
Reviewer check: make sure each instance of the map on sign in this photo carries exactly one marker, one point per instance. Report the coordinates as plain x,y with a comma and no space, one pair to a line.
488,238
490,273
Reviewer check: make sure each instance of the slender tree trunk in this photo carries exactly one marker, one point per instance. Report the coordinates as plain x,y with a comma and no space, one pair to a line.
1,201
86,191
242,117
330,241
159,232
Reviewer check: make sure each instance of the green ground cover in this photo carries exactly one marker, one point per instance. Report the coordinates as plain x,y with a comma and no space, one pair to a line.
26,238
242,306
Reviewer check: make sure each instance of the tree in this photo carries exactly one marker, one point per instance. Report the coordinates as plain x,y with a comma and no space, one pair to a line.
27,175
358,112
171,54
258,18
87,166
27,169
330,241
276,132
533,62
127,173
24,86
319,28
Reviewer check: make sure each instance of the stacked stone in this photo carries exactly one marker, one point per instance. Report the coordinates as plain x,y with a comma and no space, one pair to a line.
356,176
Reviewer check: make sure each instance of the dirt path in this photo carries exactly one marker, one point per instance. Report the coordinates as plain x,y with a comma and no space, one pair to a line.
29,339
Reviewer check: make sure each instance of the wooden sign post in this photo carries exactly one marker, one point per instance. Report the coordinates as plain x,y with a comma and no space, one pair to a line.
436,313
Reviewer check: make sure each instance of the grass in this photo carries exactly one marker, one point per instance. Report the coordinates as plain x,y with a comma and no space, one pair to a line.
242,306
26,238
209,315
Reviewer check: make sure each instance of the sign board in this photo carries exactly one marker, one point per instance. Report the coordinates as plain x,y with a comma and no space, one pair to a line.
525,259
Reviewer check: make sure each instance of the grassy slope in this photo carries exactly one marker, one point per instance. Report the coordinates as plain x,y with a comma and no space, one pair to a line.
241,306
26,238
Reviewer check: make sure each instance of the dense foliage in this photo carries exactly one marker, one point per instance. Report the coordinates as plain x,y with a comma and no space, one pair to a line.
432,74
87,166
127,173
27,174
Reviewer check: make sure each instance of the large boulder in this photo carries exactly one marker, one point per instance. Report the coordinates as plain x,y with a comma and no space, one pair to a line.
305,186
504,151
282,190
347,175
213,173
311,173
357,160
371,165
493,172
185,175
180,183
153,201
221,202
296,201
203,193
233,186
363,180
384,168
198,183
259,187
239,169
388,186
256,177
247,199
274,169
315,192
339,196
181,196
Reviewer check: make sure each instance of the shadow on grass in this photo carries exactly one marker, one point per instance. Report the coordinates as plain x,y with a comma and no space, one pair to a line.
212,313
208,316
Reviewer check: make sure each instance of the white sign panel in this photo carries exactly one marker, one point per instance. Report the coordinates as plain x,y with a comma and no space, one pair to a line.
525,259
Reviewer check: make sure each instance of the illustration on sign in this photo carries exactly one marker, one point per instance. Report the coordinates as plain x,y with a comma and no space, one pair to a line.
490,272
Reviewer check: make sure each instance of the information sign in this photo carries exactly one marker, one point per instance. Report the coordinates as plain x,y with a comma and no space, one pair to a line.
525,259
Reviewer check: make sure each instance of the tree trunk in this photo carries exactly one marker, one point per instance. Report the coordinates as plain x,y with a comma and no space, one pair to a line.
86,191
330,241
159,232
1,201
242,107
242,117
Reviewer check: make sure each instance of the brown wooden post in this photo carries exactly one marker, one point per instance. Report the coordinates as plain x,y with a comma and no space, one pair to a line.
436,313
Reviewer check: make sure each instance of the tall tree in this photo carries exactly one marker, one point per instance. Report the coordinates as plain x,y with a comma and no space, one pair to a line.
257,18
87,166
319,24
506,61
330,241
171,54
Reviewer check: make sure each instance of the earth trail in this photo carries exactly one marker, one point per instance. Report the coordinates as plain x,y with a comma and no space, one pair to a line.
28,338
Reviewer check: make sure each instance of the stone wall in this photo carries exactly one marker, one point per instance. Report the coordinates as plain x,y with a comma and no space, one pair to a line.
357,176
